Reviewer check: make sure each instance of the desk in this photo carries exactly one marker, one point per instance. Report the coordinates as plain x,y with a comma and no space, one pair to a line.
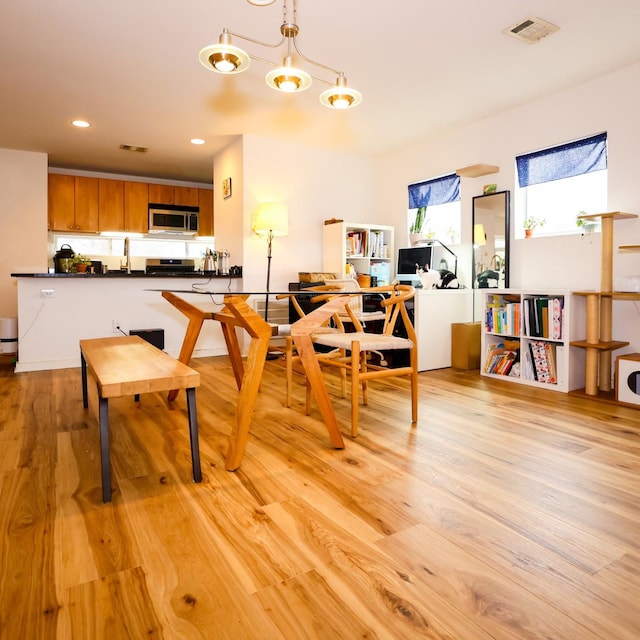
236,313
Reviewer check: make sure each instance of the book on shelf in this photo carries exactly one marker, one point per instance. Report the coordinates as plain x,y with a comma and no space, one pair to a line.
543,357
356,243
376,242
503,319
543,317
501,357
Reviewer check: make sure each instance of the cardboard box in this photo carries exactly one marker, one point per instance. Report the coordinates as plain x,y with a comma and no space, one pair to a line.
465,345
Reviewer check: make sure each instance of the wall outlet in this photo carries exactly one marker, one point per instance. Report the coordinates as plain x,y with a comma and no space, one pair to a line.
116,326
47,293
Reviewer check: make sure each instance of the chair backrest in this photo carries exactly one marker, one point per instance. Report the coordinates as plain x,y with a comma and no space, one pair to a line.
394,298
317,288
350,284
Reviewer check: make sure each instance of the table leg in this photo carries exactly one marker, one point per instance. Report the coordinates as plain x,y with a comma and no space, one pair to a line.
193,434
233,349
246,401
105,462
85,396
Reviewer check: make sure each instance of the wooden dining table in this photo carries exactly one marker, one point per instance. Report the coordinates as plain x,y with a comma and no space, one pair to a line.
237,314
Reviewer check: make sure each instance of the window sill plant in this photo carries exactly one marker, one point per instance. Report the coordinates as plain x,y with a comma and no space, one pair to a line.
530,223
415,230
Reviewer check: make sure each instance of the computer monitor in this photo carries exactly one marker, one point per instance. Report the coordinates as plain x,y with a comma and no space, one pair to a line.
408,258
435,254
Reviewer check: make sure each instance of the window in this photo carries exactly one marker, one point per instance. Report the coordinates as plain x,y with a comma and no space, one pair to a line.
438,200
556,184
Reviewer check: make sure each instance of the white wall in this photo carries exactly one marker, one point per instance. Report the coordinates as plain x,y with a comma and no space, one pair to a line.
316,184
23,221
609,104
605,104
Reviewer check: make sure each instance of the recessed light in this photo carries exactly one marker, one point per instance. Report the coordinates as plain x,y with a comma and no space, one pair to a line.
196,141
83,124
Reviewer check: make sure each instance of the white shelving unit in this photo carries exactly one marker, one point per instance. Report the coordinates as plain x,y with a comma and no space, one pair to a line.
514,321
368,247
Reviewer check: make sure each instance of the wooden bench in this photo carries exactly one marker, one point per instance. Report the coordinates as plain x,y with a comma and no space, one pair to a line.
129,366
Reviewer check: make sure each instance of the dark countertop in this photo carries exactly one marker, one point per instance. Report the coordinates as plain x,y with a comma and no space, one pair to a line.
123,274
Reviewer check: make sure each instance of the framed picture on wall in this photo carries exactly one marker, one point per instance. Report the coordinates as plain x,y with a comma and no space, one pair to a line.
226,188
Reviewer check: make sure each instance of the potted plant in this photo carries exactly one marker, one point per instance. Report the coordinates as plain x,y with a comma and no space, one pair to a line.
585,225
415,230
530,223
81,263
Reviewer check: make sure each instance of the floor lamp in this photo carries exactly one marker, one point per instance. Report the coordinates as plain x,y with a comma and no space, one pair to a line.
270,219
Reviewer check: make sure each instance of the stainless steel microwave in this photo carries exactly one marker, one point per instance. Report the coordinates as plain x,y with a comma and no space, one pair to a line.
167,218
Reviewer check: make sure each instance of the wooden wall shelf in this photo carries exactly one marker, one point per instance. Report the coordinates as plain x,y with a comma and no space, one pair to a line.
477,170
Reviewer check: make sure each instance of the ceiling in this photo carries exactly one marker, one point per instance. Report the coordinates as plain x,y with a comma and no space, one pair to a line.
131,68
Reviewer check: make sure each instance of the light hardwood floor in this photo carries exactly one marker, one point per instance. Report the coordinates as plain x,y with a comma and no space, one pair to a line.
507,513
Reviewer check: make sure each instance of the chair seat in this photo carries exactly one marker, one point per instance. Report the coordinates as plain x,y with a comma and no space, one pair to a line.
368,341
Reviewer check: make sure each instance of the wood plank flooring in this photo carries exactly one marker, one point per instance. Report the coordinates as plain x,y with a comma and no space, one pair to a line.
507,513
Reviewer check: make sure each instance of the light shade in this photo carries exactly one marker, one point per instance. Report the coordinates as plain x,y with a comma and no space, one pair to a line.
224,57
287,78
271,217
479,236
341,96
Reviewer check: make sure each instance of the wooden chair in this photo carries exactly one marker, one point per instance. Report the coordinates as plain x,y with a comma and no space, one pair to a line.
283,342
351,351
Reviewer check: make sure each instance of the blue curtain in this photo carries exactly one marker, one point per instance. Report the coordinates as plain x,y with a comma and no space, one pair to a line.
565,161
437,191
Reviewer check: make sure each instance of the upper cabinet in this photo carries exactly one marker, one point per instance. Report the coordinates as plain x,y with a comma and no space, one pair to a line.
73,203
86,204
205,202
111,200
136,207
166,194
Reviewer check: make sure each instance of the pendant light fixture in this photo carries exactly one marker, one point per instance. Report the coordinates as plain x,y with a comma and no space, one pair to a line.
226,58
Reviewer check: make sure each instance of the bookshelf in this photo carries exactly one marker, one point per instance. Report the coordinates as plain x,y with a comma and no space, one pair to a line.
368,247
525,338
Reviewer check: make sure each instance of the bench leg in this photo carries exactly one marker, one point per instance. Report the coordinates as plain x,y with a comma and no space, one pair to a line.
85,398
105,462
193,434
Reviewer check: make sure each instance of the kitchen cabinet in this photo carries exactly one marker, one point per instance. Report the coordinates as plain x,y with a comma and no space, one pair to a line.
111,205
73,203
205,202
124,206
136,207
166,194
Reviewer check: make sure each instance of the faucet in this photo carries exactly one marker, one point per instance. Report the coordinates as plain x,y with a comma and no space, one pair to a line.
127,253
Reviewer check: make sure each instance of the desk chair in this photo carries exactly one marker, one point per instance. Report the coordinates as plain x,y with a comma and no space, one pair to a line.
351,350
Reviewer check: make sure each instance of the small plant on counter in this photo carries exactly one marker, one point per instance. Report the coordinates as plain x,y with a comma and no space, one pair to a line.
80,263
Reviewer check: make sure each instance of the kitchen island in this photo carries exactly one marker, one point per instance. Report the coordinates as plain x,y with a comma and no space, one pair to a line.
57,310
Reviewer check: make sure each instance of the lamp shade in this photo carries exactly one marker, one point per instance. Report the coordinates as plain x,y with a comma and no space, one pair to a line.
479,236
271,217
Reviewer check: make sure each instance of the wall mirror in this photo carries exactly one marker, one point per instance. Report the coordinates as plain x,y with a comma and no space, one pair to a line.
490,215
490,225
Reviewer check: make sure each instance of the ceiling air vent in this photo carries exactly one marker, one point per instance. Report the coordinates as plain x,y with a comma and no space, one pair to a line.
133,148
531,30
